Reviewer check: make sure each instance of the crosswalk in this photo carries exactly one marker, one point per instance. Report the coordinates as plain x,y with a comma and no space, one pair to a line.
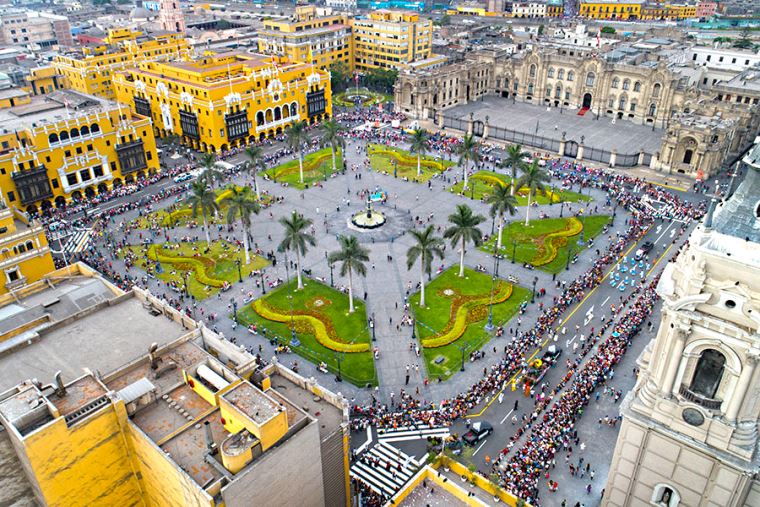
412,432
78,242
384,468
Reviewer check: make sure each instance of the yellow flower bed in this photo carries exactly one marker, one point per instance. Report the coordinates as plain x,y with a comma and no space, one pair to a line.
171,218
408,160
197,264
492,180
312,164
319,328
555,240
462,317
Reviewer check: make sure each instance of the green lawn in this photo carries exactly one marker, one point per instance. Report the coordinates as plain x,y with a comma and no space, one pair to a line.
206,270
531,244
181,214
315,166
481,183
387,159
439,296
330,306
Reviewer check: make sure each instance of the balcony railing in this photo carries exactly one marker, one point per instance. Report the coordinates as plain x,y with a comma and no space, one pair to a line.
700,400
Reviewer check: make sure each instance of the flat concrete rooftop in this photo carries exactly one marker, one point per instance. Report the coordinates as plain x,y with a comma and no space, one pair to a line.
329,416
101,341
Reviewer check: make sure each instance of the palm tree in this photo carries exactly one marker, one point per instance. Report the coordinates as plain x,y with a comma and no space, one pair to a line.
255,156
468,152
534,178
419,146
331,137
296,238
296,137
427,245
352,257
465,228
240,205
203,199
502,202
210,172
515,160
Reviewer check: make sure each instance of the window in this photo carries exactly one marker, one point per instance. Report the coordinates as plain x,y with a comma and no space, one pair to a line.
550,73
11,196
561,74
652,109
626,84
709,370
13,274
590,79
656,90
532,72
71,179
687,156
665,496
571,76
615,83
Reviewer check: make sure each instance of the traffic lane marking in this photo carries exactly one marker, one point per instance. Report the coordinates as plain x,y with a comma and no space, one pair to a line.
480,447
663,233
505,417
659,259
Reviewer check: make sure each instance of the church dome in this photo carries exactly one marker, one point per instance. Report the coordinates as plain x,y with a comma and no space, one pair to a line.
140,13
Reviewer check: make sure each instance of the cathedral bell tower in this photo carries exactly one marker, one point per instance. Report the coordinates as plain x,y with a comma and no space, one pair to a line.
170,16
689,435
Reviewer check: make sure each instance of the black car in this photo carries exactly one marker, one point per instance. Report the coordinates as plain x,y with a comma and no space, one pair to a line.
478,431
645,249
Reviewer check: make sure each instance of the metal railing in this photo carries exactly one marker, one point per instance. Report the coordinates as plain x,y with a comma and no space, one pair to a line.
708,403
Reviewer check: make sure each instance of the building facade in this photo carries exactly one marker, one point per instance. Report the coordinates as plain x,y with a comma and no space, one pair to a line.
555,8
25,255
611,9
29,28
66,146
528,9
689,435
170,16
390,39
90,70
316,36
225,100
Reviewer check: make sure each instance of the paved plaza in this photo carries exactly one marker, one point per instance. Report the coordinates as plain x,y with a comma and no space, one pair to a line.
600,133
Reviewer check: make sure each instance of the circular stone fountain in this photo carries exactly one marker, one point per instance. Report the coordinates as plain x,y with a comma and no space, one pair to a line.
368,219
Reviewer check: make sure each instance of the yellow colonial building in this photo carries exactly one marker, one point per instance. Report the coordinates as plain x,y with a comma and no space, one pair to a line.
24,253
674,12
391,39
90,69
65,146
223,100
610,9
316,36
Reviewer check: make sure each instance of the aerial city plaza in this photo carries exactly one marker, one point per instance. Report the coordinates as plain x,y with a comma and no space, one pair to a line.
380,253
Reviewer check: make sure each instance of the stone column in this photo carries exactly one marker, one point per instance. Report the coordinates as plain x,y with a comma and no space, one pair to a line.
439,119
613,157
654,160
469,125
580,152
675,356
641,157
737,397
562,144
485,129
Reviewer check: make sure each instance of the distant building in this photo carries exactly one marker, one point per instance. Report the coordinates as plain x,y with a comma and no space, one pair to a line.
89,70
25,28
344,5
24,249
315,36
706,9
555,8
390,39
611,9
531,9
144,406
171,17
722,58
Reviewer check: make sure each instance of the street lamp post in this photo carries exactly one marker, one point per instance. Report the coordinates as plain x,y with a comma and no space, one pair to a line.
533,296
338,358
493,224
330,264
514,250
263,285
234,309
240,274
614,212
569,255
489,325
414,328
374,338
561,208
462,349
187,293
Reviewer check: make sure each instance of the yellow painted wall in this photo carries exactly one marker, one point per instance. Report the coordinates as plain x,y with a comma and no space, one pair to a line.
163,483
86,465
209,100
268,433
389,39
73,155
610,10
23,249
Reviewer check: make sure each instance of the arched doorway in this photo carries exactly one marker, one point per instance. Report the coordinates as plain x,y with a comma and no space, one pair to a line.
102,188
687,156
477,128
89,192
60,202
117,183
571,149
32,210
587,101
77,196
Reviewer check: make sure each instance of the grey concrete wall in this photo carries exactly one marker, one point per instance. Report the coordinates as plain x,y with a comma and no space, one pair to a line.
288,474
333,469
15,489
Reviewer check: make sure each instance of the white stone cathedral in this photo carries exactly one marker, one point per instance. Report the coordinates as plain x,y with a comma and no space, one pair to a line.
689,435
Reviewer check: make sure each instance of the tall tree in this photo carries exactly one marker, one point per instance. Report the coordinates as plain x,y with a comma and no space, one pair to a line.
331,136
515,161
426,246
240,205
468,152
502,203
210,173
464,229
339,76
419,145
296,137
255,155
352,257
534,178
297,239
203,199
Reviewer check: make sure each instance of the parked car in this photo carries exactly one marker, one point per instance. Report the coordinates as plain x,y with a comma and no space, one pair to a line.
182,177
645,249
478,431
